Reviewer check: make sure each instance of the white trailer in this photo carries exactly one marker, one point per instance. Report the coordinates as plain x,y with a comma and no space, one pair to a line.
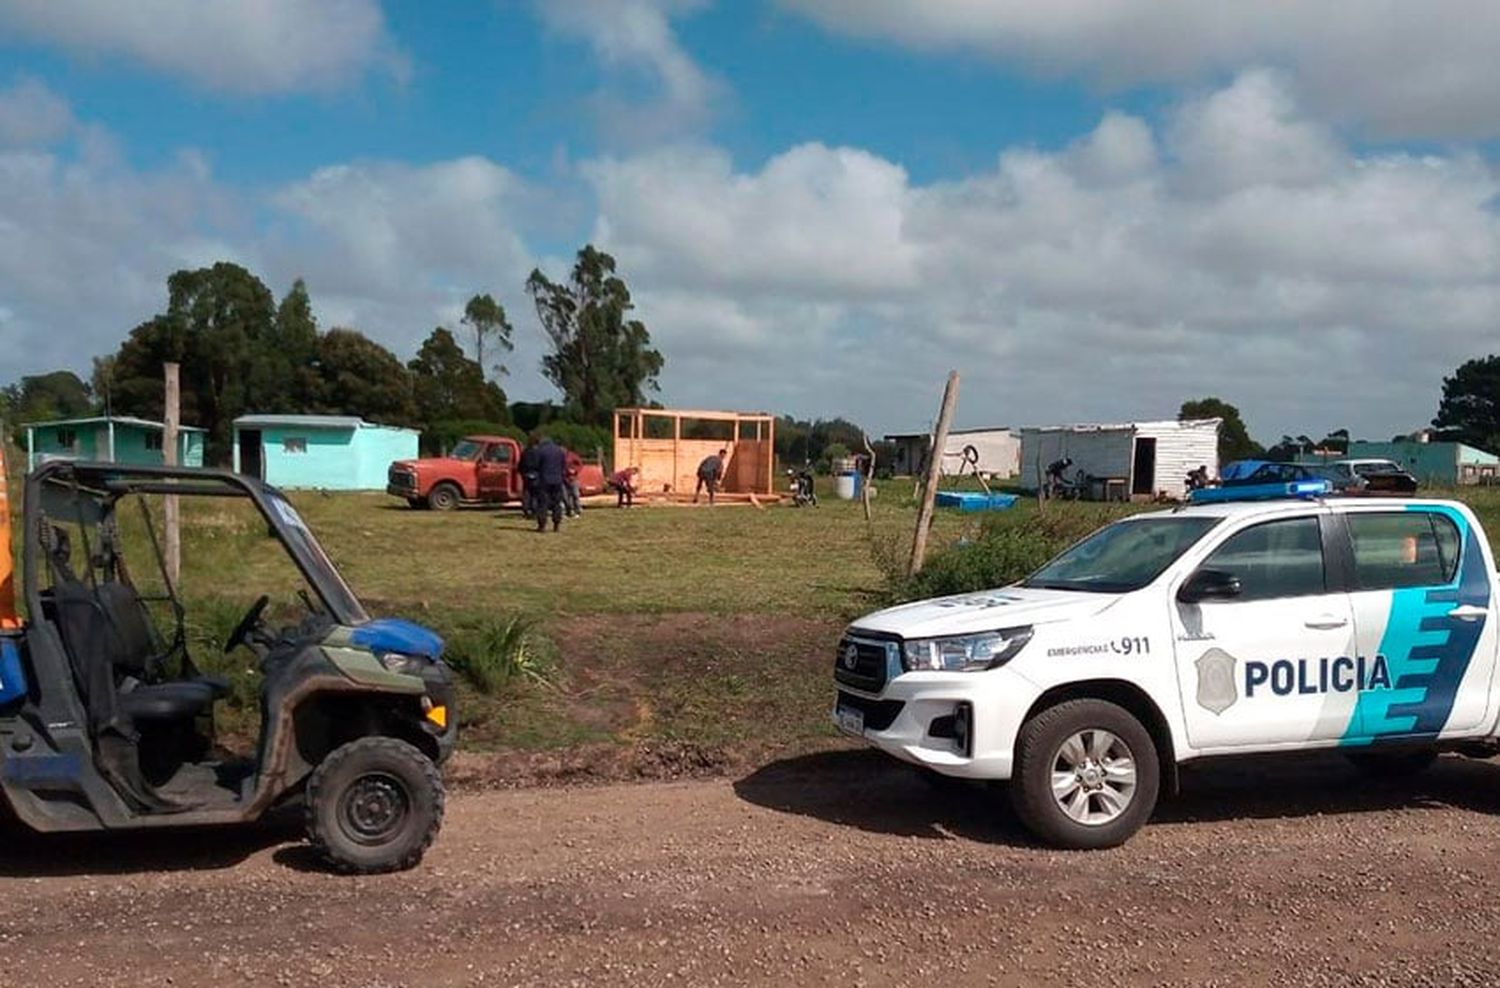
1131,459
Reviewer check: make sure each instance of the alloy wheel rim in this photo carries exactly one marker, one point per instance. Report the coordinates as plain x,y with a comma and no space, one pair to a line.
1093,777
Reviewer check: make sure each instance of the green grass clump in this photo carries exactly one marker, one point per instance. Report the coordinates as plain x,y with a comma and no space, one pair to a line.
497,653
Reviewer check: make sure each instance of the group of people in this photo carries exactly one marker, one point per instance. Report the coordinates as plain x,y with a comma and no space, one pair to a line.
549,482
549,478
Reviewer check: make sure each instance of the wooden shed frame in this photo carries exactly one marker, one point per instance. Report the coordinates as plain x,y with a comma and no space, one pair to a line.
669,466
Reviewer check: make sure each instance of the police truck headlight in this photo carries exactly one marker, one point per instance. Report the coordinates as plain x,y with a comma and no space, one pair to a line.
964,653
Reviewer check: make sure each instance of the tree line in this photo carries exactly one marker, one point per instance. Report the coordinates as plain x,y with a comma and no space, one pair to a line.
243,351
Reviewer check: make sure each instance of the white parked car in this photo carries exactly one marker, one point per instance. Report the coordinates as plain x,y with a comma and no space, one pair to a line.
1228,628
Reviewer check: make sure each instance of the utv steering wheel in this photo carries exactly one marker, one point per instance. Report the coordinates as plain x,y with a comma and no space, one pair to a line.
241,633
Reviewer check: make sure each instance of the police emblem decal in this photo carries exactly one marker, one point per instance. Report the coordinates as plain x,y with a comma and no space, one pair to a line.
1216,687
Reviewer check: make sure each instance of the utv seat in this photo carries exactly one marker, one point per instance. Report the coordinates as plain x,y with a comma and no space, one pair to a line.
165,701
135,649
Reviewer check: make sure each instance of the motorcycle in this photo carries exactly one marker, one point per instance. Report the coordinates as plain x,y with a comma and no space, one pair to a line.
800,487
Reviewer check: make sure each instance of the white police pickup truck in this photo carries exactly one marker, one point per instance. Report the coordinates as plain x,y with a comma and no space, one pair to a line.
1278,623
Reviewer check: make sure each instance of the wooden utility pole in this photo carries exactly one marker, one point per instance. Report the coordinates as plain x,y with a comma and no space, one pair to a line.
169,457
934,473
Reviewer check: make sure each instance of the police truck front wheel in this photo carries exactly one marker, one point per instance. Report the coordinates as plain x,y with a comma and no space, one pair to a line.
1086,775
374,805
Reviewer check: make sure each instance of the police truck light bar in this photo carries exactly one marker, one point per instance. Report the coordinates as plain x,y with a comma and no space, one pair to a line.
1261,492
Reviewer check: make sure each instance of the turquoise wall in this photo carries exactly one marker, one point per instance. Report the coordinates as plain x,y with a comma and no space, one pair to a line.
339,459
1431,463
91,442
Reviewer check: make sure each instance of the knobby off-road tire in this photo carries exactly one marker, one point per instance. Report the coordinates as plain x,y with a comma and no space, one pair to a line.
1091,747
374,805
444,497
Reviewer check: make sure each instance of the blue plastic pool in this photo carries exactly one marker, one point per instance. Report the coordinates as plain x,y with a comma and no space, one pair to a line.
974,500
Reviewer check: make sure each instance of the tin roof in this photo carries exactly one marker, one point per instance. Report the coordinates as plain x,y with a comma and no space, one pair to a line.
104,419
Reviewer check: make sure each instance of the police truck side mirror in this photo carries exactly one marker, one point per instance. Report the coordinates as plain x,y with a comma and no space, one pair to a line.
1209,584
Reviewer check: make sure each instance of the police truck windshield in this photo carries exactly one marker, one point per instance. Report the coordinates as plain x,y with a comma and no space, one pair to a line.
1124,556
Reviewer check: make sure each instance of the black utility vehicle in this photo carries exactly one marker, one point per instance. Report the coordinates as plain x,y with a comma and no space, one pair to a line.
106,722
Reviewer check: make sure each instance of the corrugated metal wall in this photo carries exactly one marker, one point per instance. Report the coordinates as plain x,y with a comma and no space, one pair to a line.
1100,452
1110,451
1181,447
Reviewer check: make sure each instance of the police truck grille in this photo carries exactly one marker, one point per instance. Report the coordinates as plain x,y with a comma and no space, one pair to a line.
867,671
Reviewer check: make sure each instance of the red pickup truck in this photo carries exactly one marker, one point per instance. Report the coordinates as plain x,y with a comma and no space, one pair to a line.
479,470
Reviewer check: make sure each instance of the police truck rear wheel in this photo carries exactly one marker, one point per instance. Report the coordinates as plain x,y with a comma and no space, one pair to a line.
444,497
1085,776
374,805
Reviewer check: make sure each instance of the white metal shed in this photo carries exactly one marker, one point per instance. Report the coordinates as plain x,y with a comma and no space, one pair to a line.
998,451
1142,458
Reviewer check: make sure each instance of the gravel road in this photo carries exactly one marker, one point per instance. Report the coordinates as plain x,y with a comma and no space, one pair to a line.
835,868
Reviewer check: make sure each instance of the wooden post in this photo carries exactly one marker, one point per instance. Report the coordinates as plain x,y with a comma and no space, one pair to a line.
169,457
934,472
869,474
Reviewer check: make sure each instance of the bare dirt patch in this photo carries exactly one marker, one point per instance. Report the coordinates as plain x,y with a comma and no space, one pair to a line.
658,696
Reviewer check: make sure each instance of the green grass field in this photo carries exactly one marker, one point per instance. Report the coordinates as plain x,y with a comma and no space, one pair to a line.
709,631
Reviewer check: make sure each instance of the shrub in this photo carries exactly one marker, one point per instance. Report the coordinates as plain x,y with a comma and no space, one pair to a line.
495,653
1009,547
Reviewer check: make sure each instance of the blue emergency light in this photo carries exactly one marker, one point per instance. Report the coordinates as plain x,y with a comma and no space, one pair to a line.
1261,492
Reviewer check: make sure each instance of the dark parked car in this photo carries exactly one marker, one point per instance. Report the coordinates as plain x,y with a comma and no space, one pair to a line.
1369,477
1243,473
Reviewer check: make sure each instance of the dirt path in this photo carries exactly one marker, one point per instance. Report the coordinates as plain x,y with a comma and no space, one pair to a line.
836,868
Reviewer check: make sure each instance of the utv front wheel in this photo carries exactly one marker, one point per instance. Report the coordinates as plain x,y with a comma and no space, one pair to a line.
1085,775
374,805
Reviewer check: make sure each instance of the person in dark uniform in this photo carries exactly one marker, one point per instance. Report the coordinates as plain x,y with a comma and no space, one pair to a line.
710,472
552,471
530,482
1055,480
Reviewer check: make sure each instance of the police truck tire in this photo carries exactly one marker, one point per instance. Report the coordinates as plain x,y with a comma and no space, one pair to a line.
374,805
1392,764
443,497
1086,775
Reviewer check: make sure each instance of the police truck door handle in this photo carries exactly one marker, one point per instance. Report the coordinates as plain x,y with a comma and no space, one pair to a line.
1326,622
1468,612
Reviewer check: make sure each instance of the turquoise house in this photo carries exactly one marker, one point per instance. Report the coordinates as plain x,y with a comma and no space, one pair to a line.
1436,464
326,452
111,439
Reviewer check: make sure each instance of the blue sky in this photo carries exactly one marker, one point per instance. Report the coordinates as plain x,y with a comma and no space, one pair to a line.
822,205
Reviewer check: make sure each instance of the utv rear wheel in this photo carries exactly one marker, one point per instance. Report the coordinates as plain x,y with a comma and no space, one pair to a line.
374,805
1086,775
443,497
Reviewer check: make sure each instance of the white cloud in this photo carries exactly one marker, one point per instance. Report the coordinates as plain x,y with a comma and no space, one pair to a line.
1403,69
1315,286
32,115
395,249
262,46
1312,285
656,88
